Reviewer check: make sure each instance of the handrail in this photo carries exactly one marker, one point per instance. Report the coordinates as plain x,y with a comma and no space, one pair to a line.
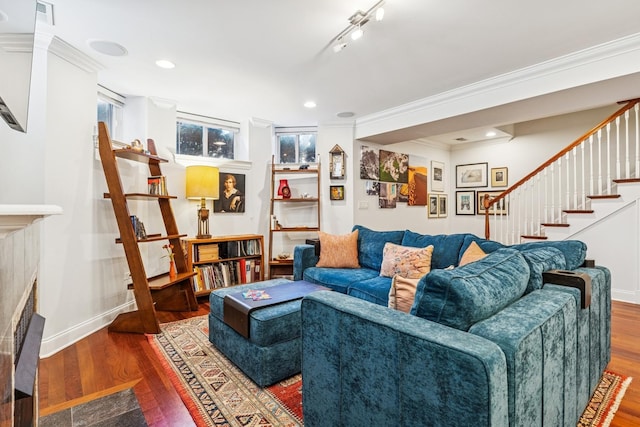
487,203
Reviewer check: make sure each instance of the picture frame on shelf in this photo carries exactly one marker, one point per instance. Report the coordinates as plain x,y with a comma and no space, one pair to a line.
432,211
336,192
501,208
437,176
442,205
466,202
471,175
499,177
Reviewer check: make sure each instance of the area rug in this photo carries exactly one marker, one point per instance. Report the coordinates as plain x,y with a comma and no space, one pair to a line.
217,393
213,389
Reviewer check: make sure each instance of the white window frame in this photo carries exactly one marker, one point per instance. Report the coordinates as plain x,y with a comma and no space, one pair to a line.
117,102
295,131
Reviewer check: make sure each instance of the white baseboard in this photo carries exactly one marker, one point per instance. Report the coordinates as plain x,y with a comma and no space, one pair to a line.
626,296
55,343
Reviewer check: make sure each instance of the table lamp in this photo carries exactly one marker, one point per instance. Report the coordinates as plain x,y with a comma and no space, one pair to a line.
203,185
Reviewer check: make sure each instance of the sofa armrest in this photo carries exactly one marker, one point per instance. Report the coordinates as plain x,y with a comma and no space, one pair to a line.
304,256
364,364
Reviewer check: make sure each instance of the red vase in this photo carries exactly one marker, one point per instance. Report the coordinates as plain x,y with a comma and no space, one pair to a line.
283,190
172,270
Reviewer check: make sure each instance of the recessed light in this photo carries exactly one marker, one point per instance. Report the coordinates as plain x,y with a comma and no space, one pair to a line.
490,134
310,104
108,48
346,114
164,63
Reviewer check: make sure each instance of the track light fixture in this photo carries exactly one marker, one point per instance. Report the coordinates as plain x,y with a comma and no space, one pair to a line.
356,22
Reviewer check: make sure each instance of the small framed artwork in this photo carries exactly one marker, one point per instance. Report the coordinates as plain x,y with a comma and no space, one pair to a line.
500,208
336,192
471,175
442,205
433,205
336,162
465,202
437,176
499,177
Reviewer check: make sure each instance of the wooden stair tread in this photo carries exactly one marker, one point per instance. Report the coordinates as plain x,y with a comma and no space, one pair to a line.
535,237
552,224
605,196
578,211
626,180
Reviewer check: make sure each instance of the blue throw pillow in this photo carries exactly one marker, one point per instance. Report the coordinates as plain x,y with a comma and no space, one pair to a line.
371,244
463,296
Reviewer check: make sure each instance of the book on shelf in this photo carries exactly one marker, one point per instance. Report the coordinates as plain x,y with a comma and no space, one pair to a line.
157,185
138,228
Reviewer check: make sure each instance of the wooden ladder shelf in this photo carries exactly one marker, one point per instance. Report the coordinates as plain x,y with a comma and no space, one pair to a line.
153,293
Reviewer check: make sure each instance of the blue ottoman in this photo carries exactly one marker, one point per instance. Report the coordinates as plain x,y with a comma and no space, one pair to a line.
273,351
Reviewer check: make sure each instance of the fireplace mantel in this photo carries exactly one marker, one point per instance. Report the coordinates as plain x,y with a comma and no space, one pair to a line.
16,217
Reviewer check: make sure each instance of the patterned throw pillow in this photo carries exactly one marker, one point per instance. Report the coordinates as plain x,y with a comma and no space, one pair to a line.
338,251
409,262
402,293
473,253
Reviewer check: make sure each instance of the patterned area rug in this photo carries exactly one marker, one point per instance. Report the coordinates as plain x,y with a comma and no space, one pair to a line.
214,390
217,393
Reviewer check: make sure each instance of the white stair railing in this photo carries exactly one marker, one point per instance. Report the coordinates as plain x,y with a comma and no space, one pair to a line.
587,167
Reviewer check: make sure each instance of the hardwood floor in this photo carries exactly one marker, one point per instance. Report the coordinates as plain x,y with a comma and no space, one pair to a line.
105,361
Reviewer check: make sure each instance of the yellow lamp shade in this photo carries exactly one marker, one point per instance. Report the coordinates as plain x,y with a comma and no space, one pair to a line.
203,182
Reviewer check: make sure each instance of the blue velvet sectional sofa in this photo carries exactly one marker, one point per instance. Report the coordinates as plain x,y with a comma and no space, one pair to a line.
485,344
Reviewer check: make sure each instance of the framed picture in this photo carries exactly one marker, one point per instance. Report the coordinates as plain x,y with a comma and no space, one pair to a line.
472,175
437,176
336,192
231,193
500,208
499,177
433,205
336,162
442,205
465,202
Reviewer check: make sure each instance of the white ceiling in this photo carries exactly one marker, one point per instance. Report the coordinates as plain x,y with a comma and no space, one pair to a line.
263,59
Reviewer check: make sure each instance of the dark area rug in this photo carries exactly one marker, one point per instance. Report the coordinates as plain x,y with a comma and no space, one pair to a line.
120,409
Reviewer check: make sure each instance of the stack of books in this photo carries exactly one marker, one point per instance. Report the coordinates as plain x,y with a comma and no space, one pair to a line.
157,185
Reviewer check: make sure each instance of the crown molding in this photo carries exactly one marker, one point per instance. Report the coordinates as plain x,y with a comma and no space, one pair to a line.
16,43
65,51
411,114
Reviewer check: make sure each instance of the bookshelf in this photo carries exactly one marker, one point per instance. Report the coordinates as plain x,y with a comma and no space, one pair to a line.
294,219
159,292
224,261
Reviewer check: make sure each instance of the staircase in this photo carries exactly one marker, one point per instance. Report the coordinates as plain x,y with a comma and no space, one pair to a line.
585,183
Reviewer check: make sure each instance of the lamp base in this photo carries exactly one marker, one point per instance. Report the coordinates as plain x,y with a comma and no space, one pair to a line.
203,236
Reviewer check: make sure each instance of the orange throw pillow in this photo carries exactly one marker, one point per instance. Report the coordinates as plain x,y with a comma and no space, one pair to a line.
402,293
338,251
473,253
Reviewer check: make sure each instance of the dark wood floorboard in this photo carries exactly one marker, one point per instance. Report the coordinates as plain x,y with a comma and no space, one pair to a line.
105,360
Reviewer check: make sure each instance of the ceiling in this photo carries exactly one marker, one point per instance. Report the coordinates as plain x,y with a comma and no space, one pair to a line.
263,59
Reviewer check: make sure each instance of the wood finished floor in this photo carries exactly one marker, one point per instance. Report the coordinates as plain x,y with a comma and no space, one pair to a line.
104,361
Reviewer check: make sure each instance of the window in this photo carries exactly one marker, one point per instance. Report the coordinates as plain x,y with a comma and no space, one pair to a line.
110,111
296,145
205,139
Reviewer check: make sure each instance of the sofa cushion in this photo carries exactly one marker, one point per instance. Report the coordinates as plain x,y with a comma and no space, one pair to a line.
540,260
574,251
338,251
402,293
465,295
375,290
371,243
471,254
446,247
406,261
338,279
